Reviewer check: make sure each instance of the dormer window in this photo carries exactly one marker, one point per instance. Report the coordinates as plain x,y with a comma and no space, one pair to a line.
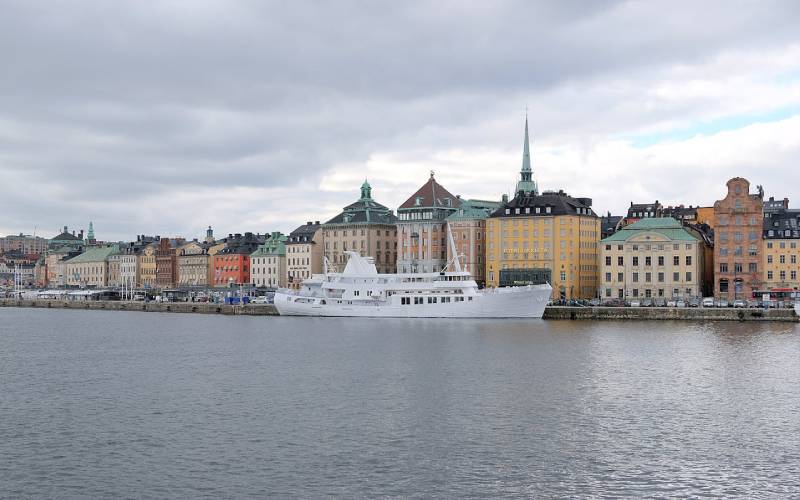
508,211
446,202
516,211
418,201
547,210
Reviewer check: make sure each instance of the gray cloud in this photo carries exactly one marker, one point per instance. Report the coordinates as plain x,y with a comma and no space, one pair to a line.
148,116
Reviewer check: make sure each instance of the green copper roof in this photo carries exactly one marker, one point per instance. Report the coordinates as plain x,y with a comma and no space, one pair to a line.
90,233
666,226
97,254
275,245
474,209
526,182
366,191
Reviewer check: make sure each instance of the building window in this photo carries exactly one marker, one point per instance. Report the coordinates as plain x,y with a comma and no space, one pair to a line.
635,277
676,276
660,277
608,260
620,261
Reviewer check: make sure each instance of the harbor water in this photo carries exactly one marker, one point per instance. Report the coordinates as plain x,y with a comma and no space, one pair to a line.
101,404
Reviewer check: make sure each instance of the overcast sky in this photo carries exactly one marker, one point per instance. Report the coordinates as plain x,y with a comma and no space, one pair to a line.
166,117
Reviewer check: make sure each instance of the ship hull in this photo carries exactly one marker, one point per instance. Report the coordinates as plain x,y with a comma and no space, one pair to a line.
515,302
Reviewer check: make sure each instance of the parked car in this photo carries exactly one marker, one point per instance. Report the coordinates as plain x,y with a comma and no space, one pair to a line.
635,303
614,303
680,303
259,300
753,304
659,302
671,303
695,302
722,303
739,303
594,302
647,302
708,302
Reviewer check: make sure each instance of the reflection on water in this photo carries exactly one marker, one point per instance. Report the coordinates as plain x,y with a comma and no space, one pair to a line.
109,404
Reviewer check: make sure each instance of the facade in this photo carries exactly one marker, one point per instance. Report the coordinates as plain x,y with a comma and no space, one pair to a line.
781,258
304,253
468,227
552,232
652,258
213,249
232,263
543,237
422,228
705,215
166,262
268,262
147,265
192,264
738,242
89,269
366,227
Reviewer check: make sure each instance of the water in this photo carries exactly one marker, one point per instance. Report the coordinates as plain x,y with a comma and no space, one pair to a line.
145,405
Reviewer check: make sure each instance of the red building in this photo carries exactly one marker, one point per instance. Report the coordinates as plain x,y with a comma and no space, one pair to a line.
232,264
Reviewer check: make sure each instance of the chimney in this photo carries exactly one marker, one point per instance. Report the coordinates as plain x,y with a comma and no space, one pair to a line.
316,222
505,198
308,223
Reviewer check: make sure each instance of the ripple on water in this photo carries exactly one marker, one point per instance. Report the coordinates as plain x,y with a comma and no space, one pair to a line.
114,404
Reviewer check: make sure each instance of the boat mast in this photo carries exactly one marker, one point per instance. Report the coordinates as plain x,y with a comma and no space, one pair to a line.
455,259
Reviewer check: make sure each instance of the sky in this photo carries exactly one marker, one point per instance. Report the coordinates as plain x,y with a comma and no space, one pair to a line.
167,117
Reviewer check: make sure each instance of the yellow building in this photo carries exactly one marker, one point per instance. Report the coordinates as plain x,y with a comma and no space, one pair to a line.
781,254
549,237
147,266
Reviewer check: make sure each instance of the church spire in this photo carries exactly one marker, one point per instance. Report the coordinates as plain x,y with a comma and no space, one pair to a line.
526,182
90,233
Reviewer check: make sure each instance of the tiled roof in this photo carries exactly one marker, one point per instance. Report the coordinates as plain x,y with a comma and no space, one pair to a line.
559,203
431,195
304,233
784,224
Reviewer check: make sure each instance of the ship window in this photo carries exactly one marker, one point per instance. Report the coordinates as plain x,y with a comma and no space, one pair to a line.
470,298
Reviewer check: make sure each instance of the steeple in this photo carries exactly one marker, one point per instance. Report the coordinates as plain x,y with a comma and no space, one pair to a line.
526,182
366,191
90,233
209,235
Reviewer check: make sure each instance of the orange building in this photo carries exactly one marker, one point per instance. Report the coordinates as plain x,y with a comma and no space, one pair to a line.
738,241
232,263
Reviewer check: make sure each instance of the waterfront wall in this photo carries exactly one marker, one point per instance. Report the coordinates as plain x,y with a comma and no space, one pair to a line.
670,313
176,307
552,312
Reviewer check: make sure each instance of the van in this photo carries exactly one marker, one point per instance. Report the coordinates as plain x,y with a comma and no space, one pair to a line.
708,302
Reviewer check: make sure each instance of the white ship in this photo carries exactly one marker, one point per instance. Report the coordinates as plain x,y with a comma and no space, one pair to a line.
360,291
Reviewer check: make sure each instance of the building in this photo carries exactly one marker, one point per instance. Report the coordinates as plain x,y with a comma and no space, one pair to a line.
268,262
304,253
773,206
232,263
681,213
609,224
30,245
781,256
213,249
66,239
653,257
89,269
638,211
366,227
422,228
167,262
147,265
738,241
192,264
468,227
543,237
